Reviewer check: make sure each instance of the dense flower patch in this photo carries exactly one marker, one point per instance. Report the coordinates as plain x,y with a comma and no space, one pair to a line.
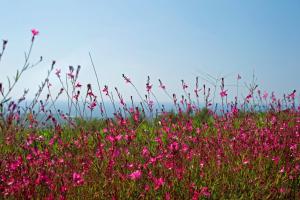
247,149
178,156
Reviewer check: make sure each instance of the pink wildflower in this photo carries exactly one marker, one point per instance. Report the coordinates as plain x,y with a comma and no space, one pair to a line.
34,32
205,192
282,170
148,87
292,95
223,93
78,85
135,175
248,97
92,105
158,183
77,178
71,75
282,190
91,94
174,146
105,90
76,96
265,96
57,72
122,102
145,152
167,196
245,162
184,85
161,85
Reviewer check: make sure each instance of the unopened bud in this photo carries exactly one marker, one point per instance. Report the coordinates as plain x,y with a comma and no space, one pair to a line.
4,44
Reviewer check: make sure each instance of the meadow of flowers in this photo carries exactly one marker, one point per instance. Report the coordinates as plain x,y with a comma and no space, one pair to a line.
247,148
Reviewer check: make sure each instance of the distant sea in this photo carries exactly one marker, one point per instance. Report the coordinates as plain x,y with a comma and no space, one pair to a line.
63,107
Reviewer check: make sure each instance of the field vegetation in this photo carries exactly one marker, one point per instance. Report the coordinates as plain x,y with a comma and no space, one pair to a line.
248,148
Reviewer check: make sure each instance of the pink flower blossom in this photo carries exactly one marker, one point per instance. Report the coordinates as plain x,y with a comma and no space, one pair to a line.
76,97
34,32
161,85
282,170
122,102
158,183
205,192
78,85
92,105
167,196
184,85
223,93
245,162
71,75
91,94
119,137
248,97
135,175
174,146
57,72
77,178
265,96
105,90
148,87
282,190
292,95
145,152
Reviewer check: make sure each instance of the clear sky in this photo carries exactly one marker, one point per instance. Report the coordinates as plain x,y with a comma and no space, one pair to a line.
167,39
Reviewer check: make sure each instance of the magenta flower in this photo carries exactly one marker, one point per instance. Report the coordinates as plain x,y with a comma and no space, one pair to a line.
76,96
57,72
167,196
92,105
205,192
78,85
119,137
248,97
161,85
105,90
223,93
34,32
282,170
265,96
174,146
158,183
184,85
135,175
122,102
245,162
292,95
145,152
71,75
148,87
77,178
90,94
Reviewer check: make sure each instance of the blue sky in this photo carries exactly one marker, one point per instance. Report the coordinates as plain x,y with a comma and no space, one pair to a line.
168,39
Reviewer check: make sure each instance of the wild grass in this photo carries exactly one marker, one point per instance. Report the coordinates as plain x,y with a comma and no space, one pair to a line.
245,149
